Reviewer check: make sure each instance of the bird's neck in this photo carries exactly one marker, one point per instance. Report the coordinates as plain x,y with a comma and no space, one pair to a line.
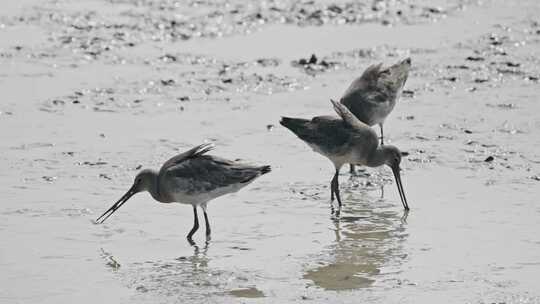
153,187
377,157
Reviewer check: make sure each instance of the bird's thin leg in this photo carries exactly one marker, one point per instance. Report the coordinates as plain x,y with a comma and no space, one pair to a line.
382,134
335,181
332,196
195,226
332,190
352,169
208,231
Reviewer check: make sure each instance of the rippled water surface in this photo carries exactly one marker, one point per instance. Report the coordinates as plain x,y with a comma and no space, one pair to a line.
92,91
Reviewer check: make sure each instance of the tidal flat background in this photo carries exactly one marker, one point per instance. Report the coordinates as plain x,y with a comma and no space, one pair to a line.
93,90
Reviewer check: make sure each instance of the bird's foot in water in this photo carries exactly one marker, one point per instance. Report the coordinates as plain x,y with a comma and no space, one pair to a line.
352,170
335,212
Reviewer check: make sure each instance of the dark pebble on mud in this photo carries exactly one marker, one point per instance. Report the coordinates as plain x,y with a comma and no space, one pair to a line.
168,58
97,163
489,159
105,176
475,58
452,79
167,82
138,167
183,98
467,131
141,289
502,105
459,67
49,179
266,62
407,93
509,71
512,64
435,10
269,127
480,80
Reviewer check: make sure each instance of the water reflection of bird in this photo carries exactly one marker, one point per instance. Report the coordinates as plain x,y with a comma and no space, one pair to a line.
346,140
373,95
192,178
350,265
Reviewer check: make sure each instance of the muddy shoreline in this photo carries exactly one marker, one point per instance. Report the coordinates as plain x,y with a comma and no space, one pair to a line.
93,91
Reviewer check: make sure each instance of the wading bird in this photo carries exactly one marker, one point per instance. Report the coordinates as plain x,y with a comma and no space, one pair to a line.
346,141
192,178
373,95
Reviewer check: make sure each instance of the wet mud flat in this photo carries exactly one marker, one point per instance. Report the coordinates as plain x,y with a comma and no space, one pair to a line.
93,91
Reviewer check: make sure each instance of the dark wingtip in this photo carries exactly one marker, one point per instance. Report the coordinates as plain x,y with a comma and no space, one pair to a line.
265,169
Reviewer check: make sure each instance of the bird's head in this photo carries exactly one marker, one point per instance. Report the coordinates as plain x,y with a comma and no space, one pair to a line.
144,181
395,76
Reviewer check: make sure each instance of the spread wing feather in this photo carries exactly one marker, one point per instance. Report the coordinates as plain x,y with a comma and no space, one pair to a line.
192,153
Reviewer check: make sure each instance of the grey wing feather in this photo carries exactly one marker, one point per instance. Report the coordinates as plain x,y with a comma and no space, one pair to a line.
206,173
364,82
347,116
192,153
329,133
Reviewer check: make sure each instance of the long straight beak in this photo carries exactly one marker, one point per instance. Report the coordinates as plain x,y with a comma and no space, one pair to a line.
397,176
116,205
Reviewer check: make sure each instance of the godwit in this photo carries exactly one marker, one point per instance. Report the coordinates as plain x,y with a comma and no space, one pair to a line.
372,96
346,140
192,178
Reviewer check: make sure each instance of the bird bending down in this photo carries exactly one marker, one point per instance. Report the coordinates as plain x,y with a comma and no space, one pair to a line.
373,95
346,140
193,178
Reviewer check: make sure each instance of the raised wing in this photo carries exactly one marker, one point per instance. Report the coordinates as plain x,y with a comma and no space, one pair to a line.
193,153
347,116
363,83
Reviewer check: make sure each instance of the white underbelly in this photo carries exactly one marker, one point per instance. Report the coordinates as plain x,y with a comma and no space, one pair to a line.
198,198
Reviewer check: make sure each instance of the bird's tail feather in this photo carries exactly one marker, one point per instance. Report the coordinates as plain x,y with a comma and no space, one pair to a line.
265,169
260,171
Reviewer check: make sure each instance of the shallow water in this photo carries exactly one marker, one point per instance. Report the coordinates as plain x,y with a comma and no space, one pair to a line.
79,117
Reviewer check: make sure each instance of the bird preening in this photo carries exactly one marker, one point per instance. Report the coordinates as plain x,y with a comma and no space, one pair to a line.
372,96
195,177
